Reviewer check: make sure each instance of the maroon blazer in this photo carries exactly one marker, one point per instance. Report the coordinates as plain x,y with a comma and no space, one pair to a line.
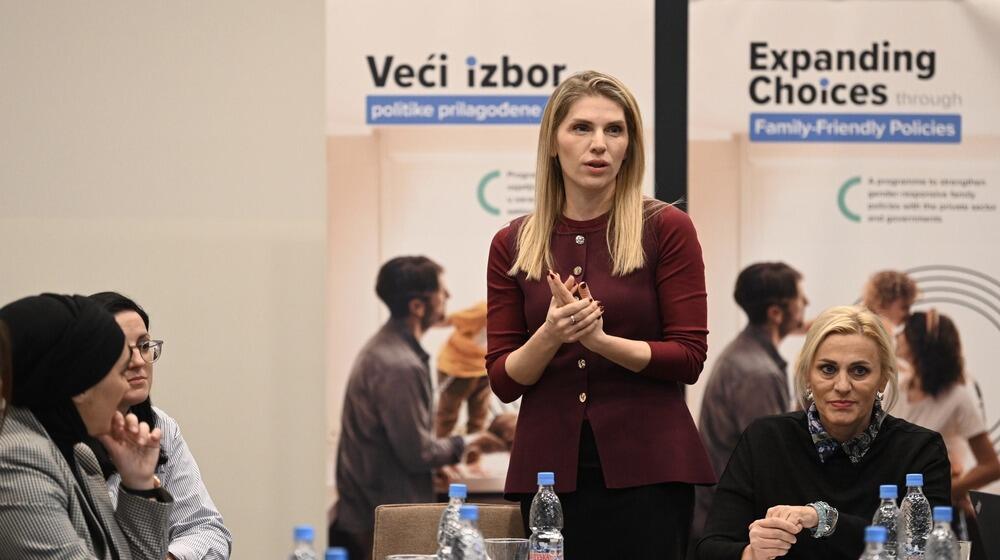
644,431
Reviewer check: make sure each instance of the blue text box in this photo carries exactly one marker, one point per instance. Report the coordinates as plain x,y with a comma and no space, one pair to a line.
855,127
454,109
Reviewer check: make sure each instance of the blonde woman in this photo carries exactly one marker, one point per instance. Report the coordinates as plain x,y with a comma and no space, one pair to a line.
805,484
600,376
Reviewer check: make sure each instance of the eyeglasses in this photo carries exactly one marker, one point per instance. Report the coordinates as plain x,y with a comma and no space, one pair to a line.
149,350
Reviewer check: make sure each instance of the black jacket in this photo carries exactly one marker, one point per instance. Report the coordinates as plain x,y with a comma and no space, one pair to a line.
776,463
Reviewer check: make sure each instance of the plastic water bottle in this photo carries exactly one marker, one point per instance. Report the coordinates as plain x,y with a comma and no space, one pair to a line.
545,521
468,543
450,523
336,553
914,519
875,543
942,544
304,550
887,515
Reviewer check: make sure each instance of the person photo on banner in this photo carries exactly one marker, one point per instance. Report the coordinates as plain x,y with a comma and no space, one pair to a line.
461,366
890,294
462,379
938,394
597,318
387,453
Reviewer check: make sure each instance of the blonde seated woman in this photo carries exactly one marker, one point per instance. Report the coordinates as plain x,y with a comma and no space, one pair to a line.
805,484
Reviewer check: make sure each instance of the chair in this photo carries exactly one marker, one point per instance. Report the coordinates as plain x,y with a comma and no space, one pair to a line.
412,528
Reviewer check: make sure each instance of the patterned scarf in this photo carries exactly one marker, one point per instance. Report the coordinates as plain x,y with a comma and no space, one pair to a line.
856,447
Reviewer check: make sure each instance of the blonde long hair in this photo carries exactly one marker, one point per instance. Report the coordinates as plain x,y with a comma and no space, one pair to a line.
847,320
624,235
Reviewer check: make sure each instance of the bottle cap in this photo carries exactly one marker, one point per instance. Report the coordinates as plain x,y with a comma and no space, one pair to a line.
304,533
546,478
336,553
875,533
469,512
457,491
887,492
914,479
942,513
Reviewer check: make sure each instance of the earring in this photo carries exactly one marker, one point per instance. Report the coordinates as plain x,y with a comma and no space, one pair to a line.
879,395
809,395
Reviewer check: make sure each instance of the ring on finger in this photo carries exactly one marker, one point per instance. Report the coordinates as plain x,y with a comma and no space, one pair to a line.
572,319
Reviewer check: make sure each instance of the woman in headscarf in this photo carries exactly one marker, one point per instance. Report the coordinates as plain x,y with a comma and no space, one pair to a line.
196,528
68,362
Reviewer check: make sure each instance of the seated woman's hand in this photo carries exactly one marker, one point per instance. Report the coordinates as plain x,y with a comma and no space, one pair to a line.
804,516
569,319
134,449
770,537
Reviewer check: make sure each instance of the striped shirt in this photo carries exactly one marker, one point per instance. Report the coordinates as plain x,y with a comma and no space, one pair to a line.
196,528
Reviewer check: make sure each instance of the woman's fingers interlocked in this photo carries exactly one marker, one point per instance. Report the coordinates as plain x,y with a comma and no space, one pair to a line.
562,291
570,321
569,318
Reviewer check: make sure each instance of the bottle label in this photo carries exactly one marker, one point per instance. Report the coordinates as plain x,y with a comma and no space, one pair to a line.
545,556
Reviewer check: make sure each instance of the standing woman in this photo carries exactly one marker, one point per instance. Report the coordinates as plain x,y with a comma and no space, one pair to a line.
69,359
196,528
601,377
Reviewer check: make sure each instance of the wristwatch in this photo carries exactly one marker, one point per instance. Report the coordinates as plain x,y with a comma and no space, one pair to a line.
826,519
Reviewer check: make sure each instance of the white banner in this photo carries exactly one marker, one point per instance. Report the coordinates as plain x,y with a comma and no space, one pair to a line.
863,136
432,126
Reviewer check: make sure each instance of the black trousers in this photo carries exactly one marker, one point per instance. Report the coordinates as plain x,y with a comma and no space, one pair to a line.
646,522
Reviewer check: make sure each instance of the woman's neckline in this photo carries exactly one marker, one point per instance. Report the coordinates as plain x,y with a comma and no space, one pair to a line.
585,225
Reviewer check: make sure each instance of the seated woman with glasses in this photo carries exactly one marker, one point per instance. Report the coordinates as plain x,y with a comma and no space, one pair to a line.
805,484
196,527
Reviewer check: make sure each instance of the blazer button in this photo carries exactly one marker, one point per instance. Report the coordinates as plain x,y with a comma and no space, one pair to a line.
583,397
580,239
577,271
581,363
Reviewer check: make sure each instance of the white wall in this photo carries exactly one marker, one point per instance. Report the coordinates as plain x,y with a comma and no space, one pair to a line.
714,205
175,152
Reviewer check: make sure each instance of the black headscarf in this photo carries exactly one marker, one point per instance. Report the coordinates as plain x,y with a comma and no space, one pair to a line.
60,347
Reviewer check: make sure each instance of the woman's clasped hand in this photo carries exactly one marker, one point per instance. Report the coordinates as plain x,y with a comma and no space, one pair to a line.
774,535
573,314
